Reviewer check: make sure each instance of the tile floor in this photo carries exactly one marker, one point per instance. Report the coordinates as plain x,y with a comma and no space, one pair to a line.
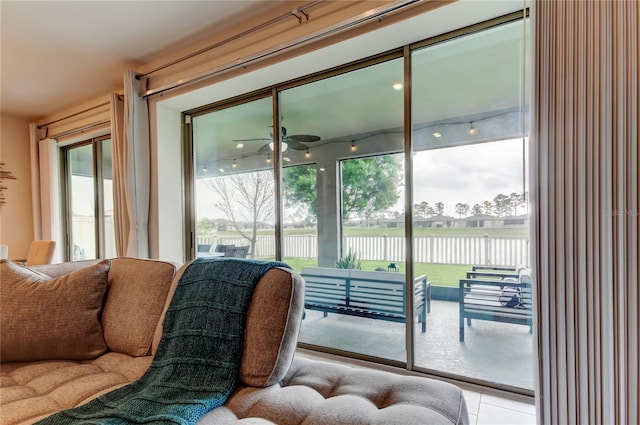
489,409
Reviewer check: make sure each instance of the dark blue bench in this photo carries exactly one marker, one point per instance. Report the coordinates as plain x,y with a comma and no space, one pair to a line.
370,294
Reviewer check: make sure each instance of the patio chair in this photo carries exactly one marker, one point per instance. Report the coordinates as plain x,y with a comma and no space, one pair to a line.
222,248
204,247
507,300
237,251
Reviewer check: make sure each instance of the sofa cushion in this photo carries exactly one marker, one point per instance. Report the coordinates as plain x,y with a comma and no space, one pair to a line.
44,318
33,390
137,294
272,326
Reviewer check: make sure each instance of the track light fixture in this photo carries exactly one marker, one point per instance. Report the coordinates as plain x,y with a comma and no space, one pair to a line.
234,165
472,129
307,154
353,146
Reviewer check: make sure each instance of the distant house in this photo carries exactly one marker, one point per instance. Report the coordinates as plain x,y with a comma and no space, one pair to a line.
435,221
516,220
480,220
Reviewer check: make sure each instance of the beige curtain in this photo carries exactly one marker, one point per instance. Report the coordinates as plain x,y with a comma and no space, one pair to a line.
45,188
49,175
35,135
585,157
131,173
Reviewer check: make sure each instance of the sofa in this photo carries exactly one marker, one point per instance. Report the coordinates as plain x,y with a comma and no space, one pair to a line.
74,331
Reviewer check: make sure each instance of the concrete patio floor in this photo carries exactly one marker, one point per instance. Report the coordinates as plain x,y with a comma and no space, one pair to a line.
494,352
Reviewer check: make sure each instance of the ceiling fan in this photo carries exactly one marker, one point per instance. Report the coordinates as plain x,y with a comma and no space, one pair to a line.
293,141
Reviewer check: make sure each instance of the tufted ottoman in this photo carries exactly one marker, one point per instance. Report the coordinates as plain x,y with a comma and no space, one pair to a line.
316,392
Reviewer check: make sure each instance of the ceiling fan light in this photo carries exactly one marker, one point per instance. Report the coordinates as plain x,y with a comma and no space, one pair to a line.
283,146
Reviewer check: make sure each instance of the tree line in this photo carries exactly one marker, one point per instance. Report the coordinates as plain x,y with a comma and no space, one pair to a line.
502,205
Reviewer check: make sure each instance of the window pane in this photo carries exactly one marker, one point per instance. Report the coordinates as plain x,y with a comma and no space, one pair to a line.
82,202
470,205
234,182
341,184
300,185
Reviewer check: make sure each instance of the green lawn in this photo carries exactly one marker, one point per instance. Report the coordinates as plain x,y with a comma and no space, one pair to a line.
438,274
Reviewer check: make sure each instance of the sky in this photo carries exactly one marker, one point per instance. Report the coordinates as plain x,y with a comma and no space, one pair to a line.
467,174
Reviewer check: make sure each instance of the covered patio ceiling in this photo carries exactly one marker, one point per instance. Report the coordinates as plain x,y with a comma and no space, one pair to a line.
474,81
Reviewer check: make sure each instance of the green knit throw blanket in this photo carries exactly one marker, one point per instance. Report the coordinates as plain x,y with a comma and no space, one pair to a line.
198,358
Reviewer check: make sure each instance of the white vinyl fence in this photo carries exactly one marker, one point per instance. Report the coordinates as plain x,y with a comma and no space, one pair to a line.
481,250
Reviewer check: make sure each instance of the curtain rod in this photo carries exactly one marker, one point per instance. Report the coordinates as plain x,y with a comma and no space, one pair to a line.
296,13
40,127
376,14
79,130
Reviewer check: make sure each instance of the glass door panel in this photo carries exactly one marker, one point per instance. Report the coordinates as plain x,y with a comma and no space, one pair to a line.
81,201
470,204
234,181
342,184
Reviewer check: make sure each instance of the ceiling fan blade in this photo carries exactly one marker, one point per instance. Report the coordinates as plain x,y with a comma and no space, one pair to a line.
263,139
303,138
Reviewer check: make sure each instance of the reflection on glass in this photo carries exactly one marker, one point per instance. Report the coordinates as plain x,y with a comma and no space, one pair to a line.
470,201
234,182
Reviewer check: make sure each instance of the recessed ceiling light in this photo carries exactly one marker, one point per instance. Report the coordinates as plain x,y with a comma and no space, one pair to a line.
398,86
221,170
437,135
240,146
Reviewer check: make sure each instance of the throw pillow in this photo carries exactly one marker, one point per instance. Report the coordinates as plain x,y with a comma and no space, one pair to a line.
45,319
510,297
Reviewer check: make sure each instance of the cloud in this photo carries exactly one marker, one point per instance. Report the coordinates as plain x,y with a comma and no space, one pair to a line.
468,174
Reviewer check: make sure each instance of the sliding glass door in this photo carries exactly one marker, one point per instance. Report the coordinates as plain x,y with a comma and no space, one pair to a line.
328,193
88,186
